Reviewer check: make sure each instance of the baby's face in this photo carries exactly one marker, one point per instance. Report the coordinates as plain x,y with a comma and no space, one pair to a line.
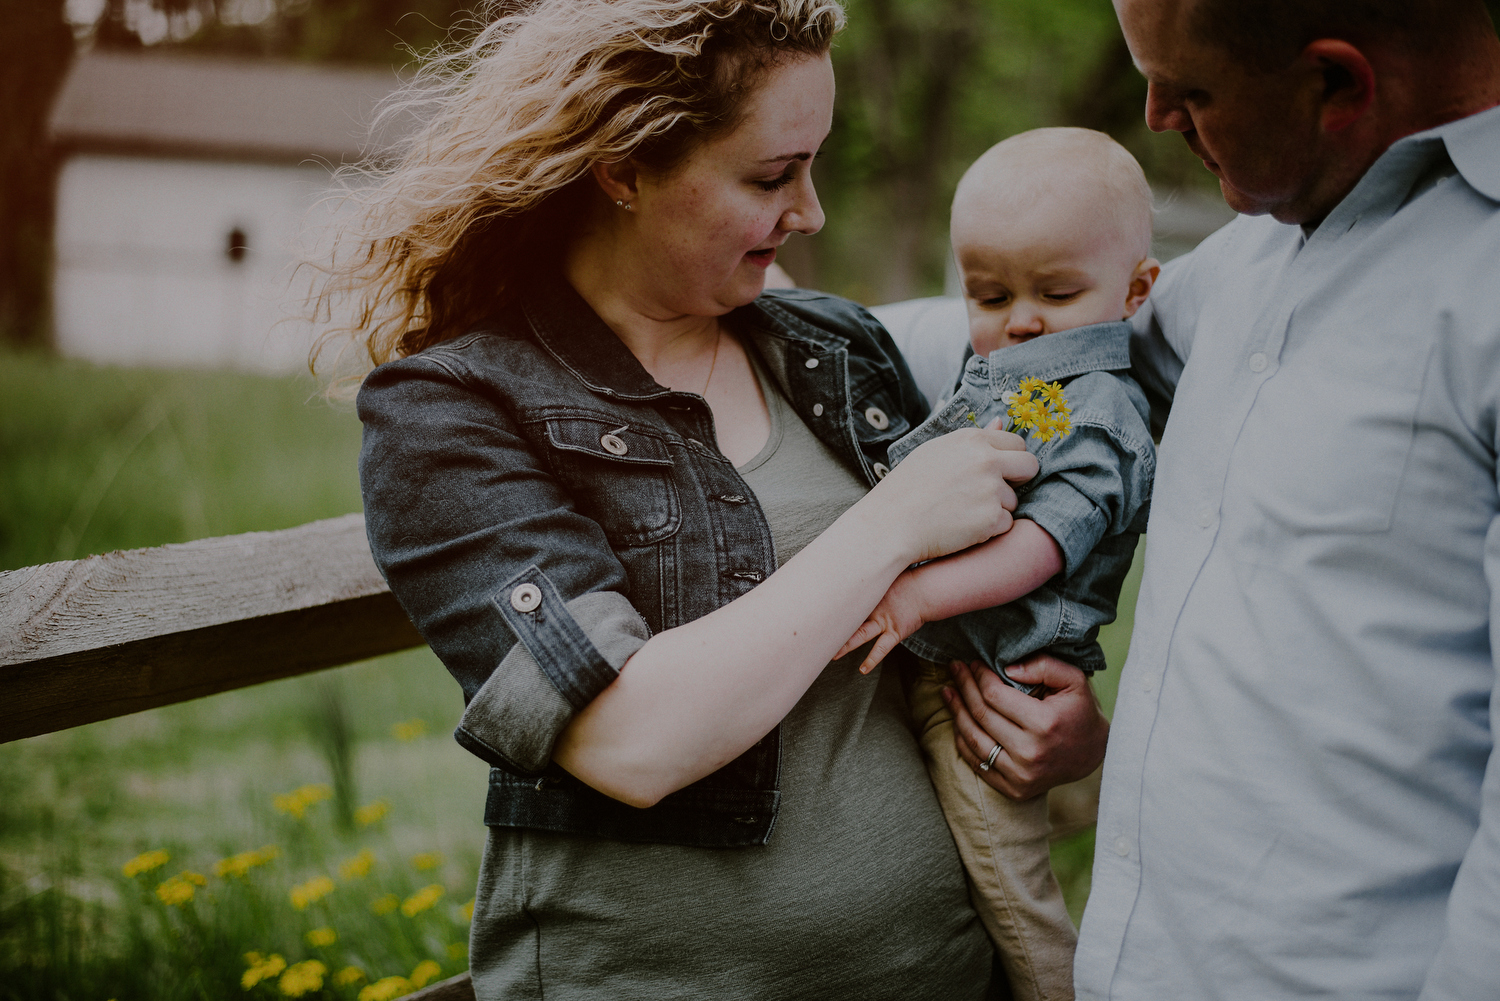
1051,265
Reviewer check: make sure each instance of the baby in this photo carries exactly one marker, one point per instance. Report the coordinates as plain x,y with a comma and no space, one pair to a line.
1051,230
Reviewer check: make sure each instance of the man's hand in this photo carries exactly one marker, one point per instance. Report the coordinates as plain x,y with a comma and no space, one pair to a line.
898,615
1044,742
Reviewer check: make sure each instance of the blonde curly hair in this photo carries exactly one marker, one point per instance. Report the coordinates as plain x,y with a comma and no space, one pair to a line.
494,184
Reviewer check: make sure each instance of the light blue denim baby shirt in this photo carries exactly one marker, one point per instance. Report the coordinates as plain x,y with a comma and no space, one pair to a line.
1092,495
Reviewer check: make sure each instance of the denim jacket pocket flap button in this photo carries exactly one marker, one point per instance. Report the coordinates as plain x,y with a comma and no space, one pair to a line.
621,477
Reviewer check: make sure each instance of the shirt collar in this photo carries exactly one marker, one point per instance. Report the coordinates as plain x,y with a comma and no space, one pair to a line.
1098,347
1473,145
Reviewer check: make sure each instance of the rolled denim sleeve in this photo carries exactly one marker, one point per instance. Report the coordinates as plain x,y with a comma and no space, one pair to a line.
1096,481
518,594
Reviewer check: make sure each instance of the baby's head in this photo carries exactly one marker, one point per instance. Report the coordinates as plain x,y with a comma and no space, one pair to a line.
1051,231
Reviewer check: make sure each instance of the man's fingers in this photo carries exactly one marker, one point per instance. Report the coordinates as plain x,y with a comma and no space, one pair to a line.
986,726
1042,669
966,733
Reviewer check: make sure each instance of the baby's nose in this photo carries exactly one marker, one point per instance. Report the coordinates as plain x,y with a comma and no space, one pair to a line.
1024,321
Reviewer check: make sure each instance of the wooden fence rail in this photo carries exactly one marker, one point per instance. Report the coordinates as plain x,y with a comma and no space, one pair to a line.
109,635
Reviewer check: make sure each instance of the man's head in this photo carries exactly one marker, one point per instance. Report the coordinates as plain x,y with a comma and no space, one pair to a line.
1288,102
1051,230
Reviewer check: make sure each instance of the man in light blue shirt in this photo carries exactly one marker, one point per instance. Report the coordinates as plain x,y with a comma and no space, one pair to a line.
1300,798
1296,801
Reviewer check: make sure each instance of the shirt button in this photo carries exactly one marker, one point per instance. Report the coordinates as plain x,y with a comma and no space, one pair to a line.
1205,517
1257,362
812,363
1147,684
526,598
880,469
817,410
1122,847
613,445
877,418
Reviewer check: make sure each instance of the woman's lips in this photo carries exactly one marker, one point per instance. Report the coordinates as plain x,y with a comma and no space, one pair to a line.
763,257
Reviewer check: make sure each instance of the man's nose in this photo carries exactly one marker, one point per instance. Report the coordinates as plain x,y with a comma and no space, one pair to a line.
1164,111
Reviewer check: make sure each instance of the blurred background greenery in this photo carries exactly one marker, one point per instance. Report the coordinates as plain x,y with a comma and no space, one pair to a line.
93,459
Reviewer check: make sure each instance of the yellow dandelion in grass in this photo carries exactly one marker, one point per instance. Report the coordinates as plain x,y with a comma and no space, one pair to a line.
318,938
458,950
426,860
371,812
348,976
145,863
385,904
239,866
426,972
311,892
468,910
385,989
298,800
180,888
409,729
302,978
261,968
421,900
358,866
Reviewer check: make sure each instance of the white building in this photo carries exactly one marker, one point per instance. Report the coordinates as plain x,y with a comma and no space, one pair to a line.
186,182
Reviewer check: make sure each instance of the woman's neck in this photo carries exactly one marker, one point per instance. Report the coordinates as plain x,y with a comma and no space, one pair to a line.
673,347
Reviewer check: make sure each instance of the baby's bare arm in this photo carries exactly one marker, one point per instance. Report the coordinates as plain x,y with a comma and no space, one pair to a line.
1005,568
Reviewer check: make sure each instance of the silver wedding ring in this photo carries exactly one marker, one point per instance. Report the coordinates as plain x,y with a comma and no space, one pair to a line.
989,762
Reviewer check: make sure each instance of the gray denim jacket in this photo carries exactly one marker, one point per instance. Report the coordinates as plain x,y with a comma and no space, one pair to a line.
540,506
1092,495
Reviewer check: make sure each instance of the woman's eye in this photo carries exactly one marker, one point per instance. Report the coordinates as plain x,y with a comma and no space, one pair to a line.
776,184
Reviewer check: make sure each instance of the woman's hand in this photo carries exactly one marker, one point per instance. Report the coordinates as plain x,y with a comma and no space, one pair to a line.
1045,742
952,492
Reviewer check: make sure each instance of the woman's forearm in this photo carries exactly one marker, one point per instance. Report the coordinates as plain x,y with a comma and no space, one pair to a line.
694,698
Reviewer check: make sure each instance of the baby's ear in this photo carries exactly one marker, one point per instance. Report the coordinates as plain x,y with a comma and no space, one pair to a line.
1141,281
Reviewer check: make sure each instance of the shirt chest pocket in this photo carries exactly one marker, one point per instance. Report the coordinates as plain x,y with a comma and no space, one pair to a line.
1328,438
618,476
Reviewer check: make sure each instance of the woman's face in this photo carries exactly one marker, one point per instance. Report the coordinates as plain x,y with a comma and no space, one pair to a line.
707,231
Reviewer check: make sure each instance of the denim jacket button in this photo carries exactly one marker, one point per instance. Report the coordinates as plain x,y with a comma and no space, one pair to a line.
613,445
817,410
877,418
881,469
526,598
812,363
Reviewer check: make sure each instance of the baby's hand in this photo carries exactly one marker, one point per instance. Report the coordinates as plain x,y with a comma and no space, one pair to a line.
898,615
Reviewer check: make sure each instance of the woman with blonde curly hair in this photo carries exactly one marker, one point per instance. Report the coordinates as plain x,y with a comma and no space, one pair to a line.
628,500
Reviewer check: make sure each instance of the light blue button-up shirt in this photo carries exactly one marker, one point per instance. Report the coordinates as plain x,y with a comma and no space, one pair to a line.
1296,801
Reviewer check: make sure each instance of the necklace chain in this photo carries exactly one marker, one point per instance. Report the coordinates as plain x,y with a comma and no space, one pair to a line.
718,336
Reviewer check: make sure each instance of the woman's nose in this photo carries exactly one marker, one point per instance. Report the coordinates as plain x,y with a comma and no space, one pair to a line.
805,214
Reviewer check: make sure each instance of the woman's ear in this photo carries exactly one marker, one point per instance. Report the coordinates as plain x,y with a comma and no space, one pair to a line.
1141,280
1348,82
617,180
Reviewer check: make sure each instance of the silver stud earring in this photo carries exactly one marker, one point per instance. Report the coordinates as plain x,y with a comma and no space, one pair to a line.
623,205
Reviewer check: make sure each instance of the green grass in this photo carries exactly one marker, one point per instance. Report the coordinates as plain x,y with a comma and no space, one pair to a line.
94,459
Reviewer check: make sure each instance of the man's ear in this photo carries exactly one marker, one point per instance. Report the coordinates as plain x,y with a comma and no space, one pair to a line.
1348,82
1141,281
617,180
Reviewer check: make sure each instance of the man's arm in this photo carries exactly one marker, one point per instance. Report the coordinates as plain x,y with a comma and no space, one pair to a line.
1005,568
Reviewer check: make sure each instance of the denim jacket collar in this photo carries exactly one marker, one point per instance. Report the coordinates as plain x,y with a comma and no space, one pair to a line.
1098,347
569,330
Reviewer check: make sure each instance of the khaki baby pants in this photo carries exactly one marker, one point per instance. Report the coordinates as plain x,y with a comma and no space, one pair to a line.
1004,849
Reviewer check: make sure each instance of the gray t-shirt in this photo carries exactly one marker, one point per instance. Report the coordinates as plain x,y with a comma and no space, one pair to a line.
858,893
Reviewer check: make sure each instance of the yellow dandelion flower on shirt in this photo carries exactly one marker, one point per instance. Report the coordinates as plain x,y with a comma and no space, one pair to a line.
421,900
1041,408
302,978
1029,386
145,863
385,989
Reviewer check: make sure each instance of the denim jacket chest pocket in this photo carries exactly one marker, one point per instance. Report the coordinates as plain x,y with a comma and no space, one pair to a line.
618,475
